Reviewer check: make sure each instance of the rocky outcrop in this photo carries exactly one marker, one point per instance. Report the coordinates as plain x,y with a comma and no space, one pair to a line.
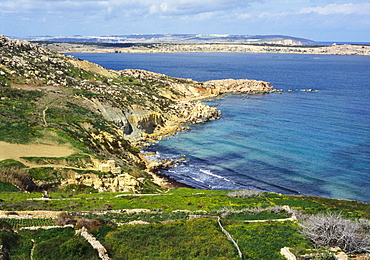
195,112
184,109
134,121
232,86
105,183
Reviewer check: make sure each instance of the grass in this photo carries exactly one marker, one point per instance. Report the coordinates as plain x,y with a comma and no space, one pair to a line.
60,243
195,239
177,199
169,234
264,240
256,216
150,217
7,187
74,160
10,163
17,115
18,223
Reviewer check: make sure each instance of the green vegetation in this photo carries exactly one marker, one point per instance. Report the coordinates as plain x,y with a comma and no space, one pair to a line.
169,234
141,216
7,187
10,163
74,160
8,238
60,243
177,199
264,240
19,223
192,239
17,115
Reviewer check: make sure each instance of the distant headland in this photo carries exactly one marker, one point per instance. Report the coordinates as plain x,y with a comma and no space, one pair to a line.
175,43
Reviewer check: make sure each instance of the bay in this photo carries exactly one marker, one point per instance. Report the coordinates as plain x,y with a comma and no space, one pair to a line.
298,142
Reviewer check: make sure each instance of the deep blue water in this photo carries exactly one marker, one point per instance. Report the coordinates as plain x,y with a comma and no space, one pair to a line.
310,143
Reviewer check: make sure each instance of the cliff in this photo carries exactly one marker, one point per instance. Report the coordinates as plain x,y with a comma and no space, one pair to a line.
55,100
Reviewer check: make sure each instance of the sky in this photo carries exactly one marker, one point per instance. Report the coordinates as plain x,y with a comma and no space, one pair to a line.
319,20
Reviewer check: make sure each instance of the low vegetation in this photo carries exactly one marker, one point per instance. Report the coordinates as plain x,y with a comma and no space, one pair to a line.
333,230
60,243
192,239
162,226
264,240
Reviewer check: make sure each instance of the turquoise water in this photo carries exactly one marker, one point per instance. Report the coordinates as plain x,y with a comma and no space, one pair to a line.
311,143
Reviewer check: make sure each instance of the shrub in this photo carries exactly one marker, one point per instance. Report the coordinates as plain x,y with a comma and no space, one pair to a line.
333,230
90,224
10,163
77,248
65,219
7,187
60,244
8,238
245,194
253,213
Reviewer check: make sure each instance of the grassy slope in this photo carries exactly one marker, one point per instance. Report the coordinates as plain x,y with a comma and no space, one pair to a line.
197,239
43,101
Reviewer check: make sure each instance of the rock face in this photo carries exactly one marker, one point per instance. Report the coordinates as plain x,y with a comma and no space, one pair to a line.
138,122
184,108
228,86
121,183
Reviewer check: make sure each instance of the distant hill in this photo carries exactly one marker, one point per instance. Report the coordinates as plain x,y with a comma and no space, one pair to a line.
177,38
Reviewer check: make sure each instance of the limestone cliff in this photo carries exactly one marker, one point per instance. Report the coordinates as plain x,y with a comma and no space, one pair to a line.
184,107
120,183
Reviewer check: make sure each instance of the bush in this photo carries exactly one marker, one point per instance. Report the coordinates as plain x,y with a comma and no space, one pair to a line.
333,230
10,163
7,187
8,238
59,246
89,224
245,194
65,219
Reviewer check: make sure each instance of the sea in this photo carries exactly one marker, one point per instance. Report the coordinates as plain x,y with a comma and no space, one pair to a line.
299,142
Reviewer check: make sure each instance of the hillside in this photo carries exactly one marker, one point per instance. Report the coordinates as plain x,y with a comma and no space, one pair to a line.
78,123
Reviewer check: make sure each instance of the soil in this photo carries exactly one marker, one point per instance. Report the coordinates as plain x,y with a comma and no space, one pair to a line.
15,151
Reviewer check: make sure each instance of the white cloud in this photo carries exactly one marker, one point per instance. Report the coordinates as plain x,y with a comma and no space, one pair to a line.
361,9
100,17
147,6
20,6
244,16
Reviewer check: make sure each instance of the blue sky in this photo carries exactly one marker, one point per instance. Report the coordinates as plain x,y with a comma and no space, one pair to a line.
320,20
